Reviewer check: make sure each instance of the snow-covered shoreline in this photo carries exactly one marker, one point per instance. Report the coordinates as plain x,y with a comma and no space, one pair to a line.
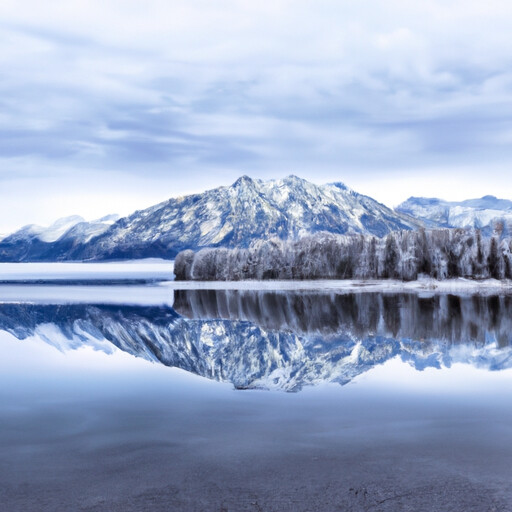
137,270
460,285
161,272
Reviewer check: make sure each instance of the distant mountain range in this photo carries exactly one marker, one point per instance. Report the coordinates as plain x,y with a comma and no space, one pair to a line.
237,215
231,216
37,243
483,213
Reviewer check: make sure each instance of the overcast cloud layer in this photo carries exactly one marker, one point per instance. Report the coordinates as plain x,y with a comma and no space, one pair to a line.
109,106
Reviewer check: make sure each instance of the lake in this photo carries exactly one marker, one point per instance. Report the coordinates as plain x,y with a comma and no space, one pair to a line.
140,394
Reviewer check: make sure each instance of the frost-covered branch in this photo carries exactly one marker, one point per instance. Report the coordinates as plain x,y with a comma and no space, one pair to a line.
438,253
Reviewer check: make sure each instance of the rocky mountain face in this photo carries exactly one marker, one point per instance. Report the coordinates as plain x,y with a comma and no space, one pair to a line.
243,213
487,213
232,216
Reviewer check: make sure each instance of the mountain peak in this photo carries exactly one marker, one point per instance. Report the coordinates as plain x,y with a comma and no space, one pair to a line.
233,216
66,221
423,200
340,185
478,213
243,181
292,178
109,219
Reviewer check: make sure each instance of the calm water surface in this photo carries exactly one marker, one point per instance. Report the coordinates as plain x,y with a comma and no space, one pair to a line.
130,398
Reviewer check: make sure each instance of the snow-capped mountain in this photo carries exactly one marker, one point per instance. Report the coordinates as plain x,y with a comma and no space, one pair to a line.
230,216
239,214
50,233
280,340
484,213
35,242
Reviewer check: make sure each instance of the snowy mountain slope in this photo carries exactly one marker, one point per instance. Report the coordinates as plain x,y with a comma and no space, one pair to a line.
35,242
237,215
50,233
481,213
230,216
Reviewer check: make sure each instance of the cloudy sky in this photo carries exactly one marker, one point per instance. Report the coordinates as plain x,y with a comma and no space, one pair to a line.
110,106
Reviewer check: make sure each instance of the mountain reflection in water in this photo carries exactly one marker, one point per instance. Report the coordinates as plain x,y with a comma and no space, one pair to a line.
284,340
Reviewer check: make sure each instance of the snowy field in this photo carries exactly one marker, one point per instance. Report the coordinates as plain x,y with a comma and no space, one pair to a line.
136,270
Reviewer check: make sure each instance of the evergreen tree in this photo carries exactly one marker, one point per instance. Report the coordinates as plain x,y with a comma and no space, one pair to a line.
391,258
423,253
493,262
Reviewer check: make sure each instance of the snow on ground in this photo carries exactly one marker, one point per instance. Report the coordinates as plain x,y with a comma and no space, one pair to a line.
162,271
487,286
150,269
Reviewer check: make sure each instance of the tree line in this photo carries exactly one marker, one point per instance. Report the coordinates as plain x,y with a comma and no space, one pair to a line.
406,255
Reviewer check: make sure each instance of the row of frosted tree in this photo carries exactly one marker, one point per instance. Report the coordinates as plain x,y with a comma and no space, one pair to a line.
405,255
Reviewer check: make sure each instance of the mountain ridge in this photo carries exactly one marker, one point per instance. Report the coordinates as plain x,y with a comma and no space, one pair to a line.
481,213
227,216
239,214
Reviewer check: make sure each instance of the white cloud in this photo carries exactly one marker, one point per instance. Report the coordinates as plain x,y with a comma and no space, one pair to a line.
128,89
